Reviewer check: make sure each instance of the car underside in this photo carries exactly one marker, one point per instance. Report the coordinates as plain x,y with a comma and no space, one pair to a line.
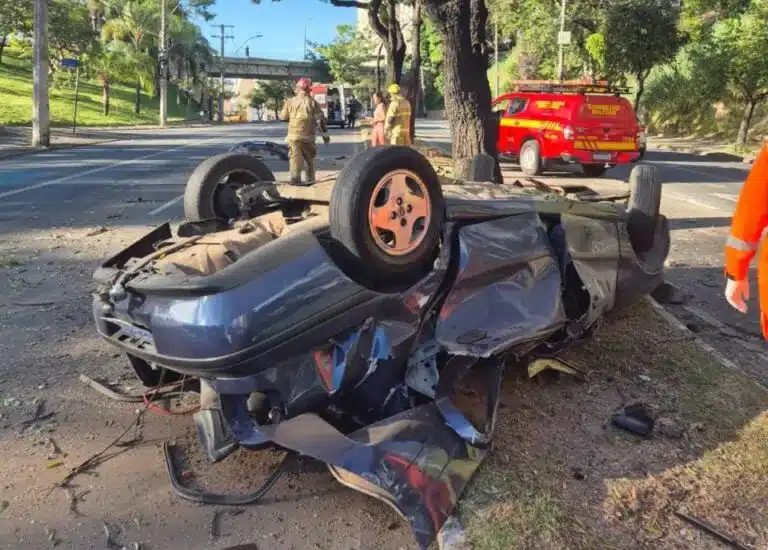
338,324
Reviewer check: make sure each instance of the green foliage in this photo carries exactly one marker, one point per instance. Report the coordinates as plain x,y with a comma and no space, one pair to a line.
596,48
680,95
741,44
432,65
346,55
69,29
639,34
15,16
276,92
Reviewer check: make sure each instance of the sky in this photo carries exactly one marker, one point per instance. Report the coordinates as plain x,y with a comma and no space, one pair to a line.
281,24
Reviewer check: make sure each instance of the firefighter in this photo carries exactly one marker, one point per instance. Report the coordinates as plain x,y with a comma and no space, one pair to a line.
750,219
304,116
397,126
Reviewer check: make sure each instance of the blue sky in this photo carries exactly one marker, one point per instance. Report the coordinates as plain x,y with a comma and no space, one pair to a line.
281,24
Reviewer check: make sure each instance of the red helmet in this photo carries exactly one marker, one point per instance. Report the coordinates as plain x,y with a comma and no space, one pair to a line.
304,84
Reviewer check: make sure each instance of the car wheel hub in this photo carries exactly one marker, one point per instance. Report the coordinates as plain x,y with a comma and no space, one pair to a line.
399,212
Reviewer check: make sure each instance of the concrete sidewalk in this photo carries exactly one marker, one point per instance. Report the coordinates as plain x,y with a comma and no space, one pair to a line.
714,148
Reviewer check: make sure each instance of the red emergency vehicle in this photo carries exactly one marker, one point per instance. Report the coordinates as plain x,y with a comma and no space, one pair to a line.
542,124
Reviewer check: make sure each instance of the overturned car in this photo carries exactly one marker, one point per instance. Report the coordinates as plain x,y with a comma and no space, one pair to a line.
338,324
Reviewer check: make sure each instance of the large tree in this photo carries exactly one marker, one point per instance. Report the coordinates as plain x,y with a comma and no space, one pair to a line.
346,55
638,35
742,42
15,16
136,22
462,25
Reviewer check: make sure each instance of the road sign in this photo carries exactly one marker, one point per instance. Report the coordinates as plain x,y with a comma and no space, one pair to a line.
67,63
564,38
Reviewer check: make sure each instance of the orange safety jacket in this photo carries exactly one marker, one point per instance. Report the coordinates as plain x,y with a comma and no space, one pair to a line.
750,219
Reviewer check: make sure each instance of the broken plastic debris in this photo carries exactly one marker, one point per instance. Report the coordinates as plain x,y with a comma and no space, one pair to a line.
635,418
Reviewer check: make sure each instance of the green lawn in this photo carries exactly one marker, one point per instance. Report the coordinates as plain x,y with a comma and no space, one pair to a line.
16,100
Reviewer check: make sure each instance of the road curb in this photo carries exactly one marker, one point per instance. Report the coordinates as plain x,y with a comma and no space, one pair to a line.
721,155
704,346
33,150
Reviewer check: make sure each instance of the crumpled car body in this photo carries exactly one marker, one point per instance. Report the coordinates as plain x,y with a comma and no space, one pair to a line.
362,379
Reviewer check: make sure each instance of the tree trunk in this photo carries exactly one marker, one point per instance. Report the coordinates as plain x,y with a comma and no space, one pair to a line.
105,98
412,81
378,68
746,122
474,130
640,88
396,48
138,97
2,47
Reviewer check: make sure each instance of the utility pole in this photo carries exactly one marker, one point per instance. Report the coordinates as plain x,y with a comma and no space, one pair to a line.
496,55
562,46
223,37
163,69
41,131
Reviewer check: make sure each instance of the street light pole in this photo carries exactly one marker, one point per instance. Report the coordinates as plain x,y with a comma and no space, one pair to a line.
562,46
496,55
41,130
163,69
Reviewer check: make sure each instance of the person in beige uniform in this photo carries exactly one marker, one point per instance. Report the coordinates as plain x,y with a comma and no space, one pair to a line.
304,115
397,126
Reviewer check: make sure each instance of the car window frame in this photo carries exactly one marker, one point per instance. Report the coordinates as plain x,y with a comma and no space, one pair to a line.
525,101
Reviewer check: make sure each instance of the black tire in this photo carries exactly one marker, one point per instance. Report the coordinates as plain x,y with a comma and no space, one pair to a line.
206,198
530,158
643,206
593,170
349,223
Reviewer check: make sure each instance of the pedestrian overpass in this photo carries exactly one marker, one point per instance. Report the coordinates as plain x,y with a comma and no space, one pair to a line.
259,68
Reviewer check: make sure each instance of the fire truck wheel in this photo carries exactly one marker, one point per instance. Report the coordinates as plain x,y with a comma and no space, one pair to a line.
530,158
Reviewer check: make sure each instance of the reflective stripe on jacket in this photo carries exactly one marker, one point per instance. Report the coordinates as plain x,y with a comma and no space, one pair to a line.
750,219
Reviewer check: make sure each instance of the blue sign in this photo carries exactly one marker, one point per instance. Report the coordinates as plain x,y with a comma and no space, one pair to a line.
69,63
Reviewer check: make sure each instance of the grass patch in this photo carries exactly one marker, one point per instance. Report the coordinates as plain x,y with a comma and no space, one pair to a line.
561,476
16,100
8,262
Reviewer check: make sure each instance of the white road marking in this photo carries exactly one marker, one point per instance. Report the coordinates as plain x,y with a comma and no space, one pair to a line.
165,206
699,172
691,201
102,168
732,198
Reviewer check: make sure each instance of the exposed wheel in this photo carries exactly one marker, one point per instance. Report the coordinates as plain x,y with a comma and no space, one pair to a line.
530,158
593,170
386,210
643,207
210,190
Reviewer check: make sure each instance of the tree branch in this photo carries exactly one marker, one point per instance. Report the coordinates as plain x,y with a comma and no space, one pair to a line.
374,17
351,4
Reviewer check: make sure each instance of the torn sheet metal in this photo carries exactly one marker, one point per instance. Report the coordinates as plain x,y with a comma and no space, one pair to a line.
507,290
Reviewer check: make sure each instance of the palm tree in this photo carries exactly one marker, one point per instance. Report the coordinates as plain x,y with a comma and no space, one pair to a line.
135,22
109,62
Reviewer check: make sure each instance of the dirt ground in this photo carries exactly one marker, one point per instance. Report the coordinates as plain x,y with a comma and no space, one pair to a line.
560,475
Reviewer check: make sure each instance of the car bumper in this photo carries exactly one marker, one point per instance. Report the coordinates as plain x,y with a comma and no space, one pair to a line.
578,156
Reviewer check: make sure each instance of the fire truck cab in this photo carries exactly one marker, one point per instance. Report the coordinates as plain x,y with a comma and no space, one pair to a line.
333,101
543,124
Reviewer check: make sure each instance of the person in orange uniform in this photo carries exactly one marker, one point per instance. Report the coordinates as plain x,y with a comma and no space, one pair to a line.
750,219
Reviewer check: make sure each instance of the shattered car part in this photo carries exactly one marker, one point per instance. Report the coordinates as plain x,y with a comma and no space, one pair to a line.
359,372
259,148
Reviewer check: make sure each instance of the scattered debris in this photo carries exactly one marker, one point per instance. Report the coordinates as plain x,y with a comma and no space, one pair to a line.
112,394
74,499
54,464
669,427
578,474
667,293
114,216
539,365
216,521
55,541
4,504
635,418
644,378
97,231
55,449
706,527
37,417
